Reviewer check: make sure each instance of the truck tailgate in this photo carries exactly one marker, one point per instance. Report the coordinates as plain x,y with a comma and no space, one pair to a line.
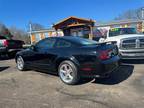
14,44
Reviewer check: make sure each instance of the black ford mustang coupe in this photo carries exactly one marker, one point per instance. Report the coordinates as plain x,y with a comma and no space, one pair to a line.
70,57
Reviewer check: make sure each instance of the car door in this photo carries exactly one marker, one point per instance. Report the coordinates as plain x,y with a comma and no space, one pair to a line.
44,54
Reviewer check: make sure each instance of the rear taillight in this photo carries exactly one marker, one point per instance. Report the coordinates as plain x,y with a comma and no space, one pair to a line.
5,43
104,55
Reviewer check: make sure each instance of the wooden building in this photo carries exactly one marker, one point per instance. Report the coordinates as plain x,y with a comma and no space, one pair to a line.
73,26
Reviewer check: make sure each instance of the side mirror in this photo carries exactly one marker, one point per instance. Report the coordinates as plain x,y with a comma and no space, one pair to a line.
32,47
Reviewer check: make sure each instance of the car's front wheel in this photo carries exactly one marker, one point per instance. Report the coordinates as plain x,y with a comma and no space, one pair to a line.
68,72
20,63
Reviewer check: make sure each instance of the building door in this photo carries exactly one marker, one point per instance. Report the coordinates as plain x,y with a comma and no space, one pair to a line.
80,33
38,37
77,33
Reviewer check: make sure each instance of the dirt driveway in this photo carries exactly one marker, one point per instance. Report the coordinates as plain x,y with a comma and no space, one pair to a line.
31,89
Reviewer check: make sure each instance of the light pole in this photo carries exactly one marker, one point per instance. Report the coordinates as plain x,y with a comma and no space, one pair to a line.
142,17
142,13
30,31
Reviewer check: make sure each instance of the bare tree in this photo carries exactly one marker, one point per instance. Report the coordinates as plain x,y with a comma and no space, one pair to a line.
19,34
4,31
130,14
2,28
36,26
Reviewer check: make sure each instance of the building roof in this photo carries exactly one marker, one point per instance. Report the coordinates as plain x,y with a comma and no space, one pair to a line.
73,17
117,22
62,22
43,30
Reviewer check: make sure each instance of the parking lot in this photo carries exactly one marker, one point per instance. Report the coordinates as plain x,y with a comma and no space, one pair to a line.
31,89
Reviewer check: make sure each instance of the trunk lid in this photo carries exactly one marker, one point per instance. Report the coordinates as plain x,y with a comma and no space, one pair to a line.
14,44
107,51
104,50
11,44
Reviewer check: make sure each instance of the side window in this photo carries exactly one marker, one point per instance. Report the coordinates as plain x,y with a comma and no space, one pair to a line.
46,43
63,43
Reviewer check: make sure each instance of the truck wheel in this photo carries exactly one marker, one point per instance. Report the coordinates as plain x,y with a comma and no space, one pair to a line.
68,72
20,63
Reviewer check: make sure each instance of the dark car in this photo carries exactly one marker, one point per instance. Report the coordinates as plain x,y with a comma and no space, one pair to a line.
70,57
10,46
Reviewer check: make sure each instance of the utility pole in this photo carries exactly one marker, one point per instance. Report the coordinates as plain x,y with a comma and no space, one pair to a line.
142,13
91,26
30,31
142,17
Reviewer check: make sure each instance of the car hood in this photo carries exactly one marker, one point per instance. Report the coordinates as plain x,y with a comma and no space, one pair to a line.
118,38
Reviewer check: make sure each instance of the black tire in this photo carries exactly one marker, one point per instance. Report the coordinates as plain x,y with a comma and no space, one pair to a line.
22,67
75,75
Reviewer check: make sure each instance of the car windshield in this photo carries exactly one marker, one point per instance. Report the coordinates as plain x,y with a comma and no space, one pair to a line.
121,31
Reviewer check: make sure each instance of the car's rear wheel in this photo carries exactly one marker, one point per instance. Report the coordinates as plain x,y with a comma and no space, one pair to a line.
20,63
68,72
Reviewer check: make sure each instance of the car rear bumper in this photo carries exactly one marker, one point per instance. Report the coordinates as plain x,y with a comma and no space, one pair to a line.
13,50
102,69
132,54
6,50
3,49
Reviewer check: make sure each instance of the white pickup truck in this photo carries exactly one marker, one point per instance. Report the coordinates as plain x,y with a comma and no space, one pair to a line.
129,42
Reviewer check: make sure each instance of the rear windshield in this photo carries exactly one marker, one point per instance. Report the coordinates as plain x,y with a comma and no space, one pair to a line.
85,42
2,37
88,42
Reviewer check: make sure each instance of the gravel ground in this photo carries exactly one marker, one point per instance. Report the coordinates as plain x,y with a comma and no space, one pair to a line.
31,89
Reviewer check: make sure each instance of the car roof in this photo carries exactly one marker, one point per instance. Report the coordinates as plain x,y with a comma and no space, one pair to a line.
74,39
67,37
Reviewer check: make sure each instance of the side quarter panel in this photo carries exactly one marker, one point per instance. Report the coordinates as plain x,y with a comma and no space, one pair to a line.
64,54
79,56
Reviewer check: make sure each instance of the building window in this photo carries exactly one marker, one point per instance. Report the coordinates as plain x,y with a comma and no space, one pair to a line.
77,32
134,25
116,26
37,37
80,33
46,35
74,33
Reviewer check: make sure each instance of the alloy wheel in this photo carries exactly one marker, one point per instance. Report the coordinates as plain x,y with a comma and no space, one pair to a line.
20,63
66,73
